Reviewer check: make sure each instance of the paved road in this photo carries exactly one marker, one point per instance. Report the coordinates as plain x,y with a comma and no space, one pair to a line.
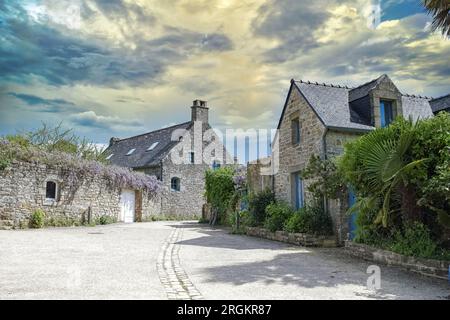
184,260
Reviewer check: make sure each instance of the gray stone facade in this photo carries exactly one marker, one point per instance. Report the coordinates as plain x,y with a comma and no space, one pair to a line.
294,157
23,190
179,141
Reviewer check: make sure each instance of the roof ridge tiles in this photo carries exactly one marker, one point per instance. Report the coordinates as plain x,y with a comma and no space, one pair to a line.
157,130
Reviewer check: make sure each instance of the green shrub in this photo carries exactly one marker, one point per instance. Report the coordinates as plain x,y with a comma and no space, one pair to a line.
220,191
297,223
37,219
61,222
415,240
105,220
4,163
257,206
245,220
277,214
312,220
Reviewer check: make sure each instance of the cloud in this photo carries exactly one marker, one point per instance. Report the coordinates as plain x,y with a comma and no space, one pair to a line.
112,123
46,105
292,23
152,58
32,48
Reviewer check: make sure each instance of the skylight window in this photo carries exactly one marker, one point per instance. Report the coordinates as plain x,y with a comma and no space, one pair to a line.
131,152
110,156
153,146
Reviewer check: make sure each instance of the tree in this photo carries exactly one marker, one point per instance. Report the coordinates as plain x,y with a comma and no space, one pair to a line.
400,173
56,138
441,18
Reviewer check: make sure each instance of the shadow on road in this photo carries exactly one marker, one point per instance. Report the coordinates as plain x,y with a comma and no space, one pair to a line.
299,266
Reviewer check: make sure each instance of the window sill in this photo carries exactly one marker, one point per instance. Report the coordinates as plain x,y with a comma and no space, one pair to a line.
50,202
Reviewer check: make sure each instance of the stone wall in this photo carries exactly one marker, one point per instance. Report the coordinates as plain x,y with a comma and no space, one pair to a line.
295,157
23,190
428,267
256,181
334,142
299,239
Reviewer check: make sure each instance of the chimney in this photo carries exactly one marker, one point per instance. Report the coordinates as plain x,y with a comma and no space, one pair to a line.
113,140
200,111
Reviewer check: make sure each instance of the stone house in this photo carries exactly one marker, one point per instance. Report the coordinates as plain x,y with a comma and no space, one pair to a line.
318,119
178,156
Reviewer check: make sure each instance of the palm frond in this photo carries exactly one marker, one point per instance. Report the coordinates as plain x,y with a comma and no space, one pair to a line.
439,9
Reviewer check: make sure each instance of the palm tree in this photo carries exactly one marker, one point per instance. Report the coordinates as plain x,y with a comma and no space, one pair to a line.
386,170
441,18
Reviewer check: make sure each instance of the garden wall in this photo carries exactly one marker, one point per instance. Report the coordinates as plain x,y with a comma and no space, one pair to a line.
428,267
79,197
299,239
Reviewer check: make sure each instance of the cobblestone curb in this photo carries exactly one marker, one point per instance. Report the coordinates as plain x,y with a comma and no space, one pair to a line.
172,276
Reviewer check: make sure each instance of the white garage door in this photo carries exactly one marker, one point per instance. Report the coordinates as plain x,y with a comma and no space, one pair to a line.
127,206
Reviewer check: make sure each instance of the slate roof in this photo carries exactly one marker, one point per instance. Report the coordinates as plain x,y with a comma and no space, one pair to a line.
333,104
363,90
442,103
141,158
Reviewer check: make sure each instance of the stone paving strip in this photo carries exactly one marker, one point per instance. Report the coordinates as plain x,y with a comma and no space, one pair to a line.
173,277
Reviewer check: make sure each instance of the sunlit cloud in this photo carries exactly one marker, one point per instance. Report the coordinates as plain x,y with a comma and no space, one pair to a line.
124,67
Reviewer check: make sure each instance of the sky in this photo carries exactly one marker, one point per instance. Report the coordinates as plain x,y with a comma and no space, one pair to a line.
120,68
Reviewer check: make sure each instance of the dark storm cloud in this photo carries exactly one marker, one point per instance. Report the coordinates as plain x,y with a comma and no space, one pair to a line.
291,21
30,48
46,105
91,119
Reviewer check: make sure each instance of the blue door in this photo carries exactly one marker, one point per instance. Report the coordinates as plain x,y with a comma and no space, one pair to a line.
352,220
299,200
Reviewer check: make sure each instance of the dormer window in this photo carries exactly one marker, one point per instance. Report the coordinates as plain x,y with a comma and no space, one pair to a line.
153,146
110,156
131,152
386,113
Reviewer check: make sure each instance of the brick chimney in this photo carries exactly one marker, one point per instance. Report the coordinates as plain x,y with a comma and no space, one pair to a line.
200,111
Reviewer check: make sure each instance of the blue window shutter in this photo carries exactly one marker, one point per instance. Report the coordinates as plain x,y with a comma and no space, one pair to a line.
299,192
382,115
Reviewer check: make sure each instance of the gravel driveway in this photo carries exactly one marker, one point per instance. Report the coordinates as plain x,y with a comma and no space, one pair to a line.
185,260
